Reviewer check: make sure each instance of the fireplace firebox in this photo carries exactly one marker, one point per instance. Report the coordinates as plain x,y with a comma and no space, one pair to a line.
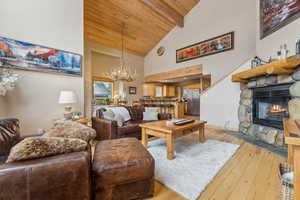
270,105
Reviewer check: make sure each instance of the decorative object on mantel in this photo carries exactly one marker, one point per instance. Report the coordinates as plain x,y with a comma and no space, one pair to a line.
160,51
205,48
276,14
123,73
8,80
284,66
256,61
67,97
27,56
298,47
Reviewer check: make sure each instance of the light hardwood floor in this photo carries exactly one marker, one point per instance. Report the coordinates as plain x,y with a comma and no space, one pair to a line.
250,174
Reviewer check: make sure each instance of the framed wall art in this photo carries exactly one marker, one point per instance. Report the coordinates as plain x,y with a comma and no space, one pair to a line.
205,48
27,56
275,14
132,90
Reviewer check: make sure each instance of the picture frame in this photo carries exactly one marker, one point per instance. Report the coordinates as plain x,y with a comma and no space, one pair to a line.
132,90
276,15
208,47
32,57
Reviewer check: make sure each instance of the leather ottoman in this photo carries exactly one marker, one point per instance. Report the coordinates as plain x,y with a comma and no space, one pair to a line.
122,170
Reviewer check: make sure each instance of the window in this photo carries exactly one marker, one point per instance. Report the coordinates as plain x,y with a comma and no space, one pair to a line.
102,88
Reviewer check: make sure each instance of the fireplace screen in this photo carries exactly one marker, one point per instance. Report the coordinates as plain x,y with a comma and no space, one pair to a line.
270,105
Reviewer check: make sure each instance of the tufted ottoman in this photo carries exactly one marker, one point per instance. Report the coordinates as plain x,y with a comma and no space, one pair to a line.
122,170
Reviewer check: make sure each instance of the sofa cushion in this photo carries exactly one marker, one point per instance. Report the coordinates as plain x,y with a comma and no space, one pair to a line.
39,147
121,161
129,127
136,113
70,129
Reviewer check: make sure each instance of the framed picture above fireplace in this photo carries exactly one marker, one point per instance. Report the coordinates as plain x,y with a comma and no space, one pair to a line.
276,14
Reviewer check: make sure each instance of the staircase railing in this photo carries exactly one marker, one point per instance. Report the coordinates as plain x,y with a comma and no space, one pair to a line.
225,76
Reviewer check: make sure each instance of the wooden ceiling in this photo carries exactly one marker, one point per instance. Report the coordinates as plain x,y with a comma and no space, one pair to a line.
146,21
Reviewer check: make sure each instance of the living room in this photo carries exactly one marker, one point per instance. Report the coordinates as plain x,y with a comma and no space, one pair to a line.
119,74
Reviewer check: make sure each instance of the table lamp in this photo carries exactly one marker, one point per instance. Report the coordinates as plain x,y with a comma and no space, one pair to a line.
67,97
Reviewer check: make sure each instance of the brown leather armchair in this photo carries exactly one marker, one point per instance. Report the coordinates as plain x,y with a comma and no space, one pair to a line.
108,129
64,177
69,176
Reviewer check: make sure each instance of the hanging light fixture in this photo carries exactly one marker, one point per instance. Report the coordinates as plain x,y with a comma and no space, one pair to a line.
123,73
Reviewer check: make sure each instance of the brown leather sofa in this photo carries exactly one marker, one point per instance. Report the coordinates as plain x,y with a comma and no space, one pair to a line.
108,129
76,176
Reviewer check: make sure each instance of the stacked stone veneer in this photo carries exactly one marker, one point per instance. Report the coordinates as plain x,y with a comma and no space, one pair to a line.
267,134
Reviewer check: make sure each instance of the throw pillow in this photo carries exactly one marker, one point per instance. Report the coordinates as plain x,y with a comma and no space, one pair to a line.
32,148
109,115
150,116
120,119
151,109
70,129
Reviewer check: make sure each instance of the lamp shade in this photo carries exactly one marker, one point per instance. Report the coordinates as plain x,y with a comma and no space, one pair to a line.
67,97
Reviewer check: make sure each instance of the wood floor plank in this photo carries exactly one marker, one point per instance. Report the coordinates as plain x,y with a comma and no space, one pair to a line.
251,173
232,181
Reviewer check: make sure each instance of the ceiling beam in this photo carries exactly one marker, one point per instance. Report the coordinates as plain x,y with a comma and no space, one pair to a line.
173,74
166,11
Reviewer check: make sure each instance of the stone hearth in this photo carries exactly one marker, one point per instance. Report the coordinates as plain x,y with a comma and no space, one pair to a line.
266,134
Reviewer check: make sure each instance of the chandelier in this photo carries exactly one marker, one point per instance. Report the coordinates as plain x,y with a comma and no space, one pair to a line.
8,80
123,73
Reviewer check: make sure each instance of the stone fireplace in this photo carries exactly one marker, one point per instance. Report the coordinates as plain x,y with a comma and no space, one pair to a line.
265,102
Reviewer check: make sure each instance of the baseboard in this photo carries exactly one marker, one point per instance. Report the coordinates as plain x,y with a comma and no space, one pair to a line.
220,128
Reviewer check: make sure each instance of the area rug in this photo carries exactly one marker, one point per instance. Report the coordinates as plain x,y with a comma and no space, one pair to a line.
194,166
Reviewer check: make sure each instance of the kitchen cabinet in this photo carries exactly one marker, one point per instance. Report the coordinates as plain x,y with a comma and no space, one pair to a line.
169,91
158,90
149,89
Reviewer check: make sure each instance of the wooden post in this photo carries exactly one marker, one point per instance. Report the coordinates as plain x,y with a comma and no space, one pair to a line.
144,137
296,150
170,147
201,134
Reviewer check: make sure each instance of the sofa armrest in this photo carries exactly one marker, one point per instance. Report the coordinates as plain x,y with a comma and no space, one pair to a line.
105,129
164,116
65,176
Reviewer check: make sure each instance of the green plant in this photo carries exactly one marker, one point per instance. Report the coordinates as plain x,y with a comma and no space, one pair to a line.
106,100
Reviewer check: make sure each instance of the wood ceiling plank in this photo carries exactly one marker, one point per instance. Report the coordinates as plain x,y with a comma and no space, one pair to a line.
166,11
144,27
130,28
177,5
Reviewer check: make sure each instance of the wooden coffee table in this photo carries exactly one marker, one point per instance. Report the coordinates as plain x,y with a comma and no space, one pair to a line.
159,129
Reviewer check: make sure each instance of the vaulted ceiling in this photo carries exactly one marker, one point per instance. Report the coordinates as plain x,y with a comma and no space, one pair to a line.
146,21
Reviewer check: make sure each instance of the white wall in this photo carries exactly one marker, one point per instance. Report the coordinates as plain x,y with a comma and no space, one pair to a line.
219,105
270,45
57,24
208,19
134,61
